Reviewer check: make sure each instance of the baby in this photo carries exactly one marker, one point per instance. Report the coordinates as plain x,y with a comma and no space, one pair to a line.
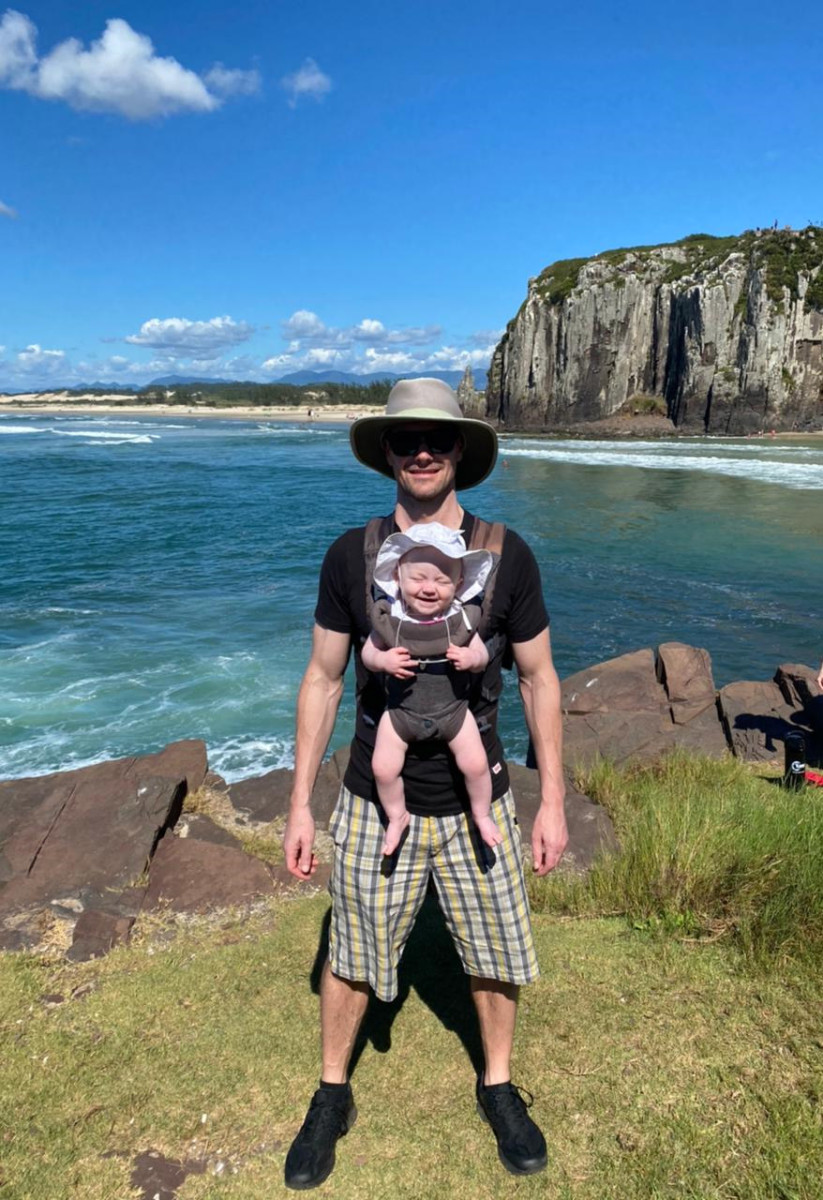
424,639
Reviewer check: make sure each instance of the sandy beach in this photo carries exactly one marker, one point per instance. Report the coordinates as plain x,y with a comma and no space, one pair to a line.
44,404
49,403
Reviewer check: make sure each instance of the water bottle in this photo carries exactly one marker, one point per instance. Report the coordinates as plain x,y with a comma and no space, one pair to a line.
794,772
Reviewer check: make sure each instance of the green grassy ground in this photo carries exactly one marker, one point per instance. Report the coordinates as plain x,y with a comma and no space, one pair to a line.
663,1065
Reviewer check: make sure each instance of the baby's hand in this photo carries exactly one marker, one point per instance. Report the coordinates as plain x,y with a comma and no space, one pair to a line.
466,658
398,662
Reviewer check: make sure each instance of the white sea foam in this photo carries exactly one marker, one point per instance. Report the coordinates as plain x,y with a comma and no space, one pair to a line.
22,429
800,475
102,435
115,440
238,758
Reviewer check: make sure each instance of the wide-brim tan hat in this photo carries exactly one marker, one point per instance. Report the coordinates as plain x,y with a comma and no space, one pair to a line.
434,402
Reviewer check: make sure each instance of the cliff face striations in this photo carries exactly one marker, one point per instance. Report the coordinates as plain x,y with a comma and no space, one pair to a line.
725,334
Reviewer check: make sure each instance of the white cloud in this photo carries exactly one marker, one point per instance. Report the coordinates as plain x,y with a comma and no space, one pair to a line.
120,72
18,56
304,329
34,359
202,339
7,211
308,82
226,81
303,324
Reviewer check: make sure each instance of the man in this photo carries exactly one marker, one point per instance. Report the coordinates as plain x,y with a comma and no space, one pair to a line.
431,451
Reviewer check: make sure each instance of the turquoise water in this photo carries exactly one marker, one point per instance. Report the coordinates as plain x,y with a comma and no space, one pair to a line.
159,576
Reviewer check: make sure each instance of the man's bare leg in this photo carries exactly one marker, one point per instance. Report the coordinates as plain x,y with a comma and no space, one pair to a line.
343,1005
496,1004
521,1146
331,1113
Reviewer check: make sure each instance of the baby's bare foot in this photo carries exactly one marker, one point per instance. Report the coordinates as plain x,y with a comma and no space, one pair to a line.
489,832
394,832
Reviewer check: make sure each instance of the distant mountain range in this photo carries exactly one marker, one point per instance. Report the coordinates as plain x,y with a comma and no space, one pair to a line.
308,378
296,378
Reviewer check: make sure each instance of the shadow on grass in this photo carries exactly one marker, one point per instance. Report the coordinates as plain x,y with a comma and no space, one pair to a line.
431,967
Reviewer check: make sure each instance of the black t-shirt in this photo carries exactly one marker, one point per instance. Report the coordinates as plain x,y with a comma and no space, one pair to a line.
433,784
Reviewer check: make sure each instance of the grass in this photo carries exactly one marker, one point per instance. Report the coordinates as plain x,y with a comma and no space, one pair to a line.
663,1065
709,849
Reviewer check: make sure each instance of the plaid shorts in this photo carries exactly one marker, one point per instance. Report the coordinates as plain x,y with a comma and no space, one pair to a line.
375,898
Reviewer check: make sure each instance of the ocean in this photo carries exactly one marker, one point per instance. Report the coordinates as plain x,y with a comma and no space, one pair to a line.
159,575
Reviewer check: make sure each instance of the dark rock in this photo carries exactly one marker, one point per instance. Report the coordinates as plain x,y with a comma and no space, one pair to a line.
17,939
756,718
686,673
798,686
284,878
71,838
615,710
628,683
704,734
264,797
202,829
616,736
590,828
96,932
194,876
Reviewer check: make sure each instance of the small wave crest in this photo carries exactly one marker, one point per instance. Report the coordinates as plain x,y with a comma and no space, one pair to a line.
238,757
800,475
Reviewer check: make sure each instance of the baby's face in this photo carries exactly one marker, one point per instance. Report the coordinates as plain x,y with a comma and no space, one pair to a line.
428,581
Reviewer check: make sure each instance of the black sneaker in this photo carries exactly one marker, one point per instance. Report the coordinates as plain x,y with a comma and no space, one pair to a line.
310,1159
520,1144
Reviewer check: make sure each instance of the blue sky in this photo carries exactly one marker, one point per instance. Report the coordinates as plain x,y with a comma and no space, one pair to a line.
243,192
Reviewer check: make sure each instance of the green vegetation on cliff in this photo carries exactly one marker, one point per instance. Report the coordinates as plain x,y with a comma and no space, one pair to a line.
783,255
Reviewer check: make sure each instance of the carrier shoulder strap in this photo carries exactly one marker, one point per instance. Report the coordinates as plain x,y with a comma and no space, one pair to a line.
488,535
377,530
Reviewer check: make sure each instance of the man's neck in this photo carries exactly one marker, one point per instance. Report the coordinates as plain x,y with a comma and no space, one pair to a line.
444,509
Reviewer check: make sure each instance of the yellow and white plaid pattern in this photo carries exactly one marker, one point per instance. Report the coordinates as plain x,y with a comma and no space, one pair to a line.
481,891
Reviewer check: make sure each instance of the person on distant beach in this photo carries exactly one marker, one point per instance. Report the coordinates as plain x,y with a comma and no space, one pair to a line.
424,639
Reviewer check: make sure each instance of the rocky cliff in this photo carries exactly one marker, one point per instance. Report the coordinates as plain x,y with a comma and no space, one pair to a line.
721,334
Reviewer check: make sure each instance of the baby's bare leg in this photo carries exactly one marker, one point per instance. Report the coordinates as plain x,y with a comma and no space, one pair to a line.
470,756
387,765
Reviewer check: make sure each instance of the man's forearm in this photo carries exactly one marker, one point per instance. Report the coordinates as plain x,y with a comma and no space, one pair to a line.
541,703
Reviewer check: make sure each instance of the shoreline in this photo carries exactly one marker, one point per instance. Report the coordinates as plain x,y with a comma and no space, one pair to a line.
304,414
37,406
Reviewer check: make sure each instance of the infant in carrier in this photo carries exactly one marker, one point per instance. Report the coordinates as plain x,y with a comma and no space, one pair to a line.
424,639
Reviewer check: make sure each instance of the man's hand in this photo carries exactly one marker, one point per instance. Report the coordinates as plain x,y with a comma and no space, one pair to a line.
820,677
397,662
549,837
298,840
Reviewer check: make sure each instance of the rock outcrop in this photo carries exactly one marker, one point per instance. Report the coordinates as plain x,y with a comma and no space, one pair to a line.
95,848
723,335
471,401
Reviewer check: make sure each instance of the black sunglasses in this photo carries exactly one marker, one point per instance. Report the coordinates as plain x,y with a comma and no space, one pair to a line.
407,442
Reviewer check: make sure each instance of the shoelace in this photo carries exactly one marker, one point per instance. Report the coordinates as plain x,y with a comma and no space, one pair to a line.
327,1113
509,1105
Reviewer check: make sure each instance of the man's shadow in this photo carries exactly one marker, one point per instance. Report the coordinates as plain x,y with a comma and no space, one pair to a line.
429,965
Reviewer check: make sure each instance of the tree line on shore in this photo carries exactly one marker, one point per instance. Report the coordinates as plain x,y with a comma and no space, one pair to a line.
280,395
